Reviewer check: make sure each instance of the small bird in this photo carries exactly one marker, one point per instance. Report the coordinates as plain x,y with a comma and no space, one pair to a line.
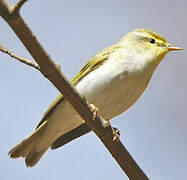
112,80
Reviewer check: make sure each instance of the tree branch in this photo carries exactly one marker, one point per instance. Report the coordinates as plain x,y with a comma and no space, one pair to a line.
48,68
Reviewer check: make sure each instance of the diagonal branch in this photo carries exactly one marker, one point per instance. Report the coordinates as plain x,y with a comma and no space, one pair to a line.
48,68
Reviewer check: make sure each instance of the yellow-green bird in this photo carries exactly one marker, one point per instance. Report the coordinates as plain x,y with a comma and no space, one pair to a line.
112,80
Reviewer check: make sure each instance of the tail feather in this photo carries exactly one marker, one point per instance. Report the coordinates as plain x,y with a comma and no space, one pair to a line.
19,150
33,157
27,148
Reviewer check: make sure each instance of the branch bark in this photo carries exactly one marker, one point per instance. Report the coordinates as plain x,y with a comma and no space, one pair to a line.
48,68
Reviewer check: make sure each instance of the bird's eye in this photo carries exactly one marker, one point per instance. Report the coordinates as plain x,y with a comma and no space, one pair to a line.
152,41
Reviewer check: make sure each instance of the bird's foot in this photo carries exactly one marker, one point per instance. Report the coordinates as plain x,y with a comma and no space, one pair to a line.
116,134
94,111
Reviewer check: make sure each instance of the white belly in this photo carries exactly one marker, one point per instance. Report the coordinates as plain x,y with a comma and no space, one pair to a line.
112,93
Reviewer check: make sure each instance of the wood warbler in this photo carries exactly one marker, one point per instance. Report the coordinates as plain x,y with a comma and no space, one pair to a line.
112,80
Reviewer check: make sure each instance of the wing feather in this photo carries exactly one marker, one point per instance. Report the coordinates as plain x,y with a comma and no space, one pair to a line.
92,64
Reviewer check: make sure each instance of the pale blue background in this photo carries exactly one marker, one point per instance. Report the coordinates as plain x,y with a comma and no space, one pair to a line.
153,130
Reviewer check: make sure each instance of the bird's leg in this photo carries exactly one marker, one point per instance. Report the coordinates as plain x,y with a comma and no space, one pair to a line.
93,108
94,111
116,134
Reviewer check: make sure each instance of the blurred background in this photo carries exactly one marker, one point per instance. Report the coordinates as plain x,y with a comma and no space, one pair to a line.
153,130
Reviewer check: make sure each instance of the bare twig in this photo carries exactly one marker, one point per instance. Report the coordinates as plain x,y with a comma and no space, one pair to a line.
21,59
48,69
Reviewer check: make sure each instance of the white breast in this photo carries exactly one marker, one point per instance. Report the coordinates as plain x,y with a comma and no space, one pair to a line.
113,88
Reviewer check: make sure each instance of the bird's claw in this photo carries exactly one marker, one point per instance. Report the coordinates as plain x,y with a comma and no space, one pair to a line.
116,134
94,111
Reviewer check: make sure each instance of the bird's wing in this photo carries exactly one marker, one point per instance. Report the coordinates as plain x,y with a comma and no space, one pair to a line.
71,135
92,64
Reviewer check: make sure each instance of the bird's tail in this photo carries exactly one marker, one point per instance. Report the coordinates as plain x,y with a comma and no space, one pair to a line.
28,148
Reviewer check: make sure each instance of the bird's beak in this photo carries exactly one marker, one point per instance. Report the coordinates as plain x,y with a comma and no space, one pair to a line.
173,48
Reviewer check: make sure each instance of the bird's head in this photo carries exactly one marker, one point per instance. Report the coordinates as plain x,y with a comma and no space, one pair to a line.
147,44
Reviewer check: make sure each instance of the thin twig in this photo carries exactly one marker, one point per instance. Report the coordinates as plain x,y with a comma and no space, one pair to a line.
21,59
